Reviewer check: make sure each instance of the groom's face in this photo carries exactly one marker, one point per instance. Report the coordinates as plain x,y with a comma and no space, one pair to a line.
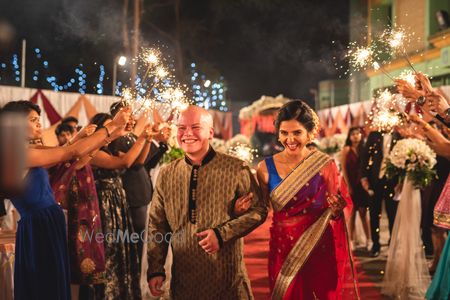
193,132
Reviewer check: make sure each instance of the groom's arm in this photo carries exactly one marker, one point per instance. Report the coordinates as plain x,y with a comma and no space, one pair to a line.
157,225
255,216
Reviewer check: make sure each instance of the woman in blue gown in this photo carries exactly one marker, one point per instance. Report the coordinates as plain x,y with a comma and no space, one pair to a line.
41,260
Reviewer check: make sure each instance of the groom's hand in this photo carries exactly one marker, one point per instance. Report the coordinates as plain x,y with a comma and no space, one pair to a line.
155,285
209,243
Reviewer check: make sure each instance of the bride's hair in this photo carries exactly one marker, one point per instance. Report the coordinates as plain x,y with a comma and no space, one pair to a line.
301,112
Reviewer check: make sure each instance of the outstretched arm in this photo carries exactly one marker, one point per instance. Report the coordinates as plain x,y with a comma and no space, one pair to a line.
50,156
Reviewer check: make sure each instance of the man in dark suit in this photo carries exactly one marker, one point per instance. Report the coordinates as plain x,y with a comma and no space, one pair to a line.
136,179
374,181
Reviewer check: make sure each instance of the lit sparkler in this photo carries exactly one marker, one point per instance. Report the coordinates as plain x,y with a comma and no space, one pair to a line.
151,56
409,77
176,98
128,96
161,72
360,57
243,152
385,111
377,66
396,39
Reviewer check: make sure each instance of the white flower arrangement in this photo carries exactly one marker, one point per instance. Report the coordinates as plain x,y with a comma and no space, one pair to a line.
219,145
332,144
413,158
265,102
237,139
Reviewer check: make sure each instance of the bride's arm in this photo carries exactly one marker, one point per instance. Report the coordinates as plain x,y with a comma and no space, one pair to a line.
263,180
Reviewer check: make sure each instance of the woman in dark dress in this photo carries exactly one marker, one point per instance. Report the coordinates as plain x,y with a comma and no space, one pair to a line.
351,169
41,269
122,266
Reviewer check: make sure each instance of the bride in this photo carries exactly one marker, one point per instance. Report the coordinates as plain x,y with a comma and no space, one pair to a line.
309,256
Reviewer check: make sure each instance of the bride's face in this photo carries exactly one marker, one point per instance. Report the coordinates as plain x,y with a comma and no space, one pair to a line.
293,136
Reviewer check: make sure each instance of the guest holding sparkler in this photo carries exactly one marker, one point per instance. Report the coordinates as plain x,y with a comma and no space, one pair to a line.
440,286
122,265
431,101
41,259
136,179
74,188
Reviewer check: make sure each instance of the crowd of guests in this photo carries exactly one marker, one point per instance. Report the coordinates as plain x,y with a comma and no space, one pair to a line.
98,181
100,176
363,162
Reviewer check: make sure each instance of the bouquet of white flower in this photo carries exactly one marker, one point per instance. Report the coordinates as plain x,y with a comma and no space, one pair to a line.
413,158
332,144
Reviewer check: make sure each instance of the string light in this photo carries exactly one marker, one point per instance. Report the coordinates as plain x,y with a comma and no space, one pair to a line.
208,93
71,84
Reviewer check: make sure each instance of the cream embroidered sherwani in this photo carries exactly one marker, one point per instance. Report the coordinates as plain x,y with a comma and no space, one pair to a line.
189,199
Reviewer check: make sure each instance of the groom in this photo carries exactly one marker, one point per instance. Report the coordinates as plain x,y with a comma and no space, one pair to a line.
193,203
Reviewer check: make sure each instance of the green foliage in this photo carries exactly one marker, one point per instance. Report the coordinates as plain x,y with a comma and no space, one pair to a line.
330,150
421,176
172,154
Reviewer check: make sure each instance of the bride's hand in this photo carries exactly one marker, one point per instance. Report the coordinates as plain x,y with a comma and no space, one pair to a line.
337,204
242,204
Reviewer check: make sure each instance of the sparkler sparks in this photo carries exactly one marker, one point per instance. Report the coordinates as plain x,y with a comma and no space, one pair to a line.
396,40
243,152
128,96
151,56
409,77
161,72
385,113
360,57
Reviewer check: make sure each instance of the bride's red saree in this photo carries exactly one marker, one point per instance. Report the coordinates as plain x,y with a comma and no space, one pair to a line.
309,255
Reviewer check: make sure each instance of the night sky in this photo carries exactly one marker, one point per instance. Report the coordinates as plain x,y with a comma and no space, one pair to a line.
260,47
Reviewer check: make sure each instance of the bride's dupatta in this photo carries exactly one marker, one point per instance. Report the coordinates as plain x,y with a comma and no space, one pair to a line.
290,189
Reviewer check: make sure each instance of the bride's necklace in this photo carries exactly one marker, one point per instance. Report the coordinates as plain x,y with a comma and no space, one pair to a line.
285,162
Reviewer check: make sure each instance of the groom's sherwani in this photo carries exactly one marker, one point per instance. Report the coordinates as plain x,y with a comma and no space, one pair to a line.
189,199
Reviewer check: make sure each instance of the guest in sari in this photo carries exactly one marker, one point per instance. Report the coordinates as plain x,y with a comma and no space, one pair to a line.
309,256
74,189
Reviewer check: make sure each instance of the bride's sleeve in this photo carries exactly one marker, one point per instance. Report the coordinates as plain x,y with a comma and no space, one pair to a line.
335,185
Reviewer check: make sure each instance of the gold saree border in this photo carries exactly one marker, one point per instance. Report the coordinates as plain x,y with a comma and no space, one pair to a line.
442,220
299,254
352,263
290,186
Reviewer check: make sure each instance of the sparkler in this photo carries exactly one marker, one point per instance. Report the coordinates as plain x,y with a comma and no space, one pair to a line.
396,40
243,152
151,57
377,66
176,98
364,57
128,96
409,77
360,57
385,111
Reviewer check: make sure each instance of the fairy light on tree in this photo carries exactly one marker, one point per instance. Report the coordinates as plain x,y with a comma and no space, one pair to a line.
208,93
